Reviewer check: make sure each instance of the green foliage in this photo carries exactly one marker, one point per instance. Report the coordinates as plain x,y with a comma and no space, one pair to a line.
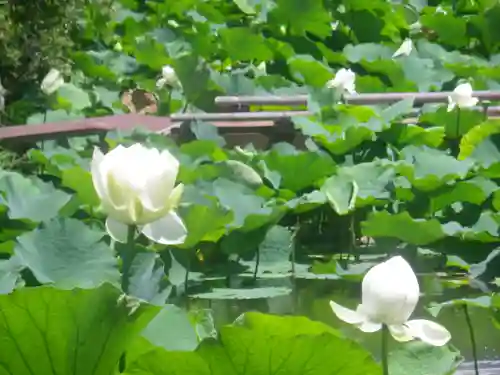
365,181
30,49
260,344
70,332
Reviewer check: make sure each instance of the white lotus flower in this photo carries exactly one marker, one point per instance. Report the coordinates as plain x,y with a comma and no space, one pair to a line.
52,82
390,293
168,77
415,27
343,80
3,92
440,9
261,69
405,48
462,97
136,187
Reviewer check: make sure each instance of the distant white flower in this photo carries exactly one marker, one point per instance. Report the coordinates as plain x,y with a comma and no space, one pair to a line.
440,9
390,293
462,97
168,77
52,82
343,80
2,97
173,23
260,69
415,27
404,49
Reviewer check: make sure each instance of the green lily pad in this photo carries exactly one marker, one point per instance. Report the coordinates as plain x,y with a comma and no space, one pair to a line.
172,330
204,223
292,165
403,227
147,279
481,301
67,253
265,344
30,198
242,294
341,193
421,359
74,332
10,271
427,169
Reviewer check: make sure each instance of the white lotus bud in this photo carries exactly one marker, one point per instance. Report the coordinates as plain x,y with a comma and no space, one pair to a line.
390,293
462,97
52,82
344,80
136,186
404,49
3,92
440,9
168,77
260,70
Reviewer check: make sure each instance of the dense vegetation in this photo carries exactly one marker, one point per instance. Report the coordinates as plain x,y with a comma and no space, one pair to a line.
365,185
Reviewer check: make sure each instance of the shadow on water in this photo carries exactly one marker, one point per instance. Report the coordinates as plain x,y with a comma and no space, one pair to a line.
311,298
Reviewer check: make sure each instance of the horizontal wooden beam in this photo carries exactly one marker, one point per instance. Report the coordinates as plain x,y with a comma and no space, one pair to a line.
81,127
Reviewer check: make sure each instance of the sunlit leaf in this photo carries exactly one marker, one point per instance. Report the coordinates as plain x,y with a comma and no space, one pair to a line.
403,227
419,358
93,330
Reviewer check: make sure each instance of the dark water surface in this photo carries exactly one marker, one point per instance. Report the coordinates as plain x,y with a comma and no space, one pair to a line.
311,298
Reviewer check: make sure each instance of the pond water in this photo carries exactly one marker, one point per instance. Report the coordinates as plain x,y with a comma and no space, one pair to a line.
311,298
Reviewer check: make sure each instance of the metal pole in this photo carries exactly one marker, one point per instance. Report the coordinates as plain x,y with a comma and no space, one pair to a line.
362,99
276,115
238,116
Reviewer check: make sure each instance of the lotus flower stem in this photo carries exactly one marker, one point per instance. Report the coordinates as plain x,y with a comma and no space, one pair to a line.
186,276
485,105
293,245
169,100
457,129
127,257
122,364
455,141
352,241
385,350
257,261
472,337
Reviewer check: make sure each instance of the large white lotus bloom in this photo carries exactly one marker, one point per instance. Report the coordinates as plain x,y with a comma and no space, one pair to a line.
462,97
404,49
390,293
168,77
136,186
343,80
52,82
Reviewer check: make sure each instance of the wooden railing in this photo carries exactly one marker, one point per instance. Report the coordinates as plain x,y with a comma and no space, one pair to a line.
239,126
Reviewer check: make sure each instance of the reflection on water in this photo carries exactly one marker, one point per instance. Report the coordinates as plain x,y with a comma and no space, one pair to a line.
311,297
